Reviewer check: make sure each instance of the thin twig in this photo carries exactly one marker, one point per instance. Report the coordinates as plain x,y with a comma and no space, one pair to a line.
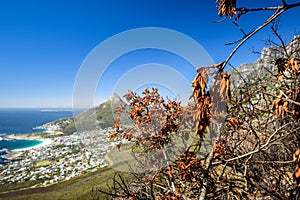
281,40
283,98
208,163
245,10
279,10
218,21
274,161
256,150
235,23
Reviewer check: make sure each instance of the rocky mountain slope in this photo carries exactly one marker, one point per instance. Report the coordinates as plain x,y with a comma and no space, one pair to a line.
266,63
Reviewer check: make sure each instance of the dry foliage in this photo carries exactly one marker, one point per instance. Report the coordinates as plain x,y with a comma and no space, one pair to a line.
297,168
251,157
226,7
203,101
255,155
154,119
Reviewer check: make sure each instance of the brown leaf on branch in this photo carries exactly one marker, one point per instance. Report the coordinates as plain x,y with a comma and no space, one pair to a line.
219,150
203,101
278,77
188,165
169,171
226,7
118,145
225,87
199,83
280,63
296,158
233,123
113,135
279,106
293,66
129,95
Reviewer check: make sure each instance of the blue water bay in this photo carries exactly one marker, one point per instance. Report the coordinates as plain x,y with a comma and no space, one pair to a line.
12,144
20,121
25,121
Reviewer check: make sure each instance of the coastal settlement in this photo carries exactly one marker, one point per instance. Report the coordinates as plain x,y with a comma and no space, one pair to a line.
61,159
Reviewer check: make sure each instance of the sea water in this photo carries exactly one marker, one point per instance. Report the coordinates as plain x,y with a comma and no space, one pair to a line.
20,121
24,121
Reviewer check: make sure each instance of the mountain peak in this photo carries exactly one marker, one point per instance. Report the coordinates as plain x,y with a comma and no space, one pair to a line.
115,98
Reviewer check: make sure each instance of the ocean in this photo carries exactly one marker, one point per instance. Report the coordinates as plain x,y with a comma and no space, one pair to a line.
20,121
24,121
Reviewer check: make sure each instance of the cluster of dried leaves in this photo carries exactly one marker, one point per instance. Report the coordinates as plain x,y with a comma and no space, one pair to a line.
252,155
203,102
158,125
156,122
154,119
287,70
226,7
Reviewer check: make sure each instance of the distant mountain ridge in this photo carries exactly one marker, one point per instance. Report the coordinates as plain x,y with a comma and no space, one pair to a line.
100,116
266,63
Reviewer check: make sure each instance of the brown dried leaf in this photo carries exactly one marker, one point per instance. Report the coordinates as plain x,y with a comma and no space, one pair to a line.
225,87
226,7
296,174
233,123
293,66
129,95
219,150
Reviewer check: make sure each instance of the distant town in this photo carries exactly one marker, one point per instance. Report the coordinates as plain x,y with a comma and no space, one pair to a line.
60,158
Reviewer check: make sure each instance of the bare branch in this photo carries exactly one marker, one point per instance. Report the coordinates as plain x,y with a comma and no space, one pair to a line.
245,10
256,150
283,98
235,23
208,163
278,11
281,40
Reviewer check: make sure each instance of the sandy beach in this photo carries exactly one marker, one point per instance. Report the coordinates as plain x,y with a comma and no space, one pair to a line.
23,137
44,142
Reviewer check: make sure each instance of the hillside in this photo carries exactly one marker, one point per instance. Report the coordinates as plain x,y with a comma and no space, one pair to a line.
99,116
85,186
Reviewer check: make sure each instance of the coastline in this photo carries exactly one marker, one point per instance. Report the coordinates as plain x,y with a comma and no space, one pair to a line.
55,159
23,137
44,141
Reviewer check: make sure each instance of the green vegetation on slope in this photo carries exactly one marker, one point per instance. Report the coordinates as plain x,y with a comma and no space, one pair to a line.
99,116
82,187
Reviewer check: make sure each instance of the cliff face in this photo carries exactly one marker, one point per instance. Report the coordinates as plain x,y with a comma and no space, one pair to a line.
266,63
272,53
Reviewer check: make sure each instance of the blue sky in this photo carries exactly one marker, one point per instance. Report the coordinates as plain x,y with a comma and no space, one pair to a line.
44,42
